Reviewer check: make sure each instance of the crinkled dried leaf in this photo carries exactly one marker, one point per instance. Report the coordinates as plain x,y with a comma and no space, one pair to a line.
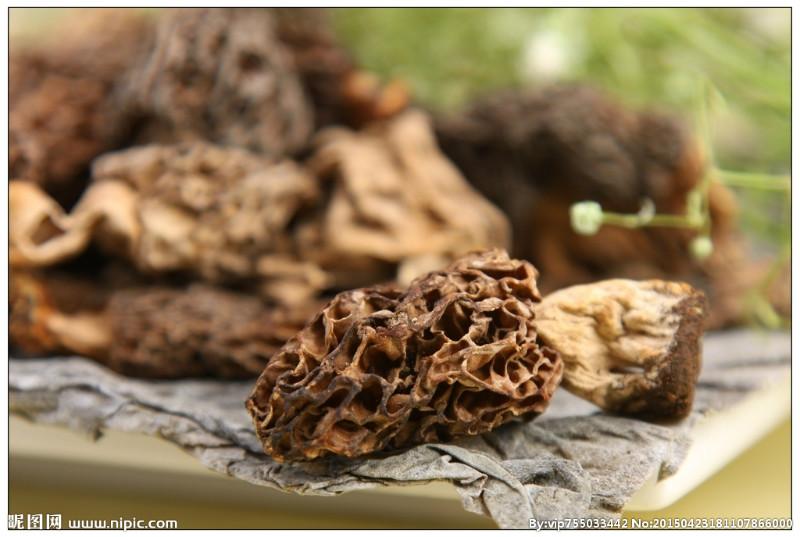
629,347
380,368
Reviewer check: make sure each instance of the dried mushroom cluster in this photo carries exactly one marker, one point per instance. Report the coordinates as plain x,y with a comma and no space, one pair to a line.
365,204
379,368
188,188
202,181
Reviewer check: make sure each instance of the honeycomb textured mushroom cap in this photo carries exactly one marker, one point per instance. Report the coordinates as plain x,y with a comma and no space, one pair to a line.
383,368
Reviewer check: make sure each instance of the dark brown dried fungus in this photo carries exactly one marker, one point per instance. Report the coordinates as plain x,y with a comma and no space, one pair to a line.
380,368
221,75
199,331
62,97
148,330
535,153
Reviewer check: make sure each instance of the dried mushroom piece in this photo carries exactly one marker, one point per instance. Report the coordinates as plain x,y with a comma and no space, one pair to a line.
572,141
341,93
221,213
381,368
197,331
41,234
630,347
536,152
220,74
149,330
56,314
391,197
63,107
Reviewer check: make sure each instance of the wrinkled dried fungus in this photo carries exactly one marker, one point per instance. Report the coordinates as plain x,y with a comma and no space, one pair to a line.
63,110
149,331
391,196
55,313
221,75
630,347
381,368
221,213
535,153
198,331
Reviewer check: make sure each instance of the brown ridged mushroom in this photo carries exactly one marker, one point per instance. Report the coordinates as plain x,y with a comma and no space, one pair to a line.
64,108
381,368
149,330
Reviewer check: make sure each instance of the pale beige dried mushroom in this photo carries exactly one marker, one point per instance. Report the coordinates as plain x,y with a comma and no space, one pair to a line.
630,347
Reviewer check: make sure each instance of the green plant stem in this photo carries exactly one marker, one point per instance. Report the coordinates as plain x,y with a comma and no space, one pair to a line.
635,220
777,183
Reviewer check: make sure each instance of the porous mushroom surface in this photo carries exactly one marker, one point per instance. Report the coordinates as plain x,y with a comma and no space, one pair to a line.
381,368
630,347
163,332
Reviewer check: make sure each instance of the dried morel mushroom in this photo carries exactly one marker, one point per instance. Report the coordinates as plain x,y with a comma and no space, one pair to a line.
392,197
535,153
197,331
574,141
629,347
221,75
380,368
63,110
149,331
221,213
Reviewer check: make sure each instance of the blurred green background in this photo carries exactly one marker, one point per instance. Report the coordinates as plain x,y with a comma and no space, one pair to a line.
643,56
